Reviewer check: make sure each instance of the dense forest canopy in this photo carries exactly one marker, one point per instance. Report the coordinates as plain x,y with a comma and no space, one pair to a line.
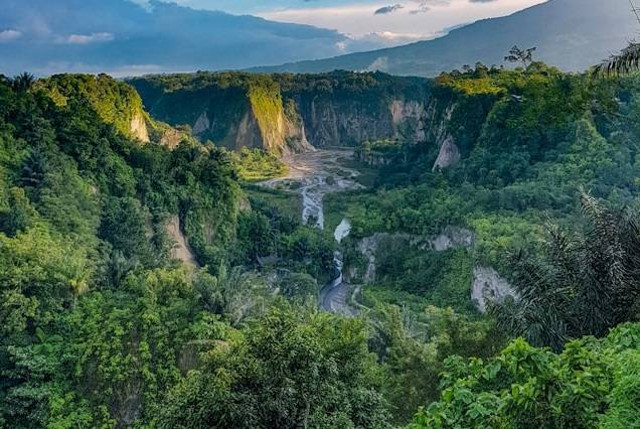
105,325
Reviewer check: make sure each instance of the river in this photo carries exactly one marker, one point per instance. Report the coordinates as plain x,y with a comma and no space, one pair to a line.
314,175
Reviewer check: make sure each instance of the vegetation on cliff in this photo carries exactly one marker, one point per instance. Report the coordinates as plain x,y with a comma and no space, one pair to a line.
102,328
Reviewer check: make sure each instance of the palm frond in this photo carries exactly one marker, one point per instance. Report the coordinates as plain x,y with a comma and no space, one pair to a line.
627,61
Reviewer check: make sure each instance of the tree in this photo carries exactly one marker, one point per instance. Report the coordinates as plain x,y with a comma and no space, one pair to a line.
290,369
23,82
584,284
522,56
627,61
592,383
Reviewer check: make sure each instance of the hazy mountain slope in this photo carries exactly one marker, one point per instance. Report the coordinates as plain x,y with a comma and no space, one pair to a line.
571,34
120,37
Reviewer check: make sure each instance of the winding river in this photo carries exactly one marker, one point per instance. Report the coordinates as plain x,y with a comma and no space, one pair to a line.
314,175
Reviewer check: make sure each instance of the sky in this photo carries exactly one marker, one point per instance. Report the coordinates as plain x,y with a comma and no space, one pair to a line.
385,23
49,36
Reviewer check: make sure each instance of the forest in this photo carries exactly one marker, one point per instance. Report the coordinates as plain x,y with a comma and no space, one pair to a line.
103,327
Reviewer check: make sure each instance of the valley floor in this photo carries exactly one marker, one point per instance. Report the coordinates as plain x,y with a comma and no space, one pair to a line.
313,175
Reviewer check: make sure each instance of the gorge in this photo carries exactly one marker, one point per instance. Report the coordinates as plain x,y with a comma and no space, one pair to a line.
182,252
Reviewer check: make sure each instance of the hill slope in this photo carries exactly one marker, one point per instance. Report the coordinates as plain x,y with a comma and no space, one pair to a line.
570,34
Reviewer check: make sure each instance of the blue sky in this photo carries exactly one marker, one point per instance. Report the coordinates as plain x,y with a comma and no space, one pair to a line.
396,21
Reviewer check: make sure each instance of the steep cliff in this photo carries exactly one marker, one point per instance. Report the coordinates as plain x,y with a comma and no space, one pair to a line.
379,114
283,113
116,103
234,110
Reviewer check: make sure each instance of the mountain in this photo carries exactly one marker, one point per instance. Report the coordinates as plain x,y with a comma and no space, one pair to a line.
124,38
570,34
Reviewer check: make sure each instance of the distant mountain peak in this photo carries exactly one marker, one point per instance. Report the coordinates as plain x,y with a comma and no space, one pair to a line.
570,34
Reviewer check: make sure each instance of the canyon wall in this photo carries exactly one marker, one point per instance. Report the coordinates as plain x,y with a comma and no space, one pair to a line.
284,113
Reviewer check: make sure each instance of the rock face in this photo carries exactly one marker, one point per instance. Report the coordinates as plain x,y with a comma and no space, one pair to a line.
171,138
450,238
448,156
202,124
283,113
318,123
287,114
181,249
139,128
409,116
489,286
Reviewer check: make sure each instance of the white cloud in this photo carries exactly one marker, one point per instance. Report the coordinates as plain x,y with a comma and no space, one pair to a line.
85,39
9,35
379,39
356,20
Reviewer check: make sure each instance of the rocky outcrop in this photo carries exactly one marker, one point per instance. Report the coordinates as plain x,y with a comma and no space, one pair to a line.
171,138
201,125
489,286
139,128
451,238
180,249
448,156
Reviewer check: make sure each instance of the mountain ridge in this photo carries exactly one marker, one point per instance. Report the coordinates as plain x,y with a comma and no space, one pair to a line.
564,31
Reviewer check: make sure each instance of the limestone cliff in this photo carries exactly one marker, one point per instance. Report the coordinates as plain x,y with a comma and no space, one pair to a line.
293,113
284,113
138,127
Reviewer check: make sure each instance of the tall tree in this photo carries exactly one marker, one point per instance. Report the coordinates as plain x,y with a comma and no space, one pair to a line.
628,60
585,283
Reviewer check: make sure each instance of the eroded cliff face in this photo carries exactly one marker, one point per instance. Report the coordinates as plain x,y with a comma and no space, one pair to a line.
272,131
318,123
333,122
138,128
294,113
283,113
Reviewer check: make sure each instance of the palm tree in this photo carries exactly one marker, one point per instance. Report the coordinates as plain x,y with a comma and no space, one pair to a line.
23,82
627,61
585,283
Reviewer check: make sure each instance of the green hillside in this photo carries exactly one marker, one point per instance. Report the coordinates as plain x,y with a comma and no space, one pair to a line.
149,285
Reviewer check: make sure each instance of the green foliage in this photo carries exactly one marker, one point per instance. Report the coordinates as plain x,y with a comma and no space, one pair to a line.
99,328
115,102
526,387
289,369
256,165
413,346
584,284
275,232
439,278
